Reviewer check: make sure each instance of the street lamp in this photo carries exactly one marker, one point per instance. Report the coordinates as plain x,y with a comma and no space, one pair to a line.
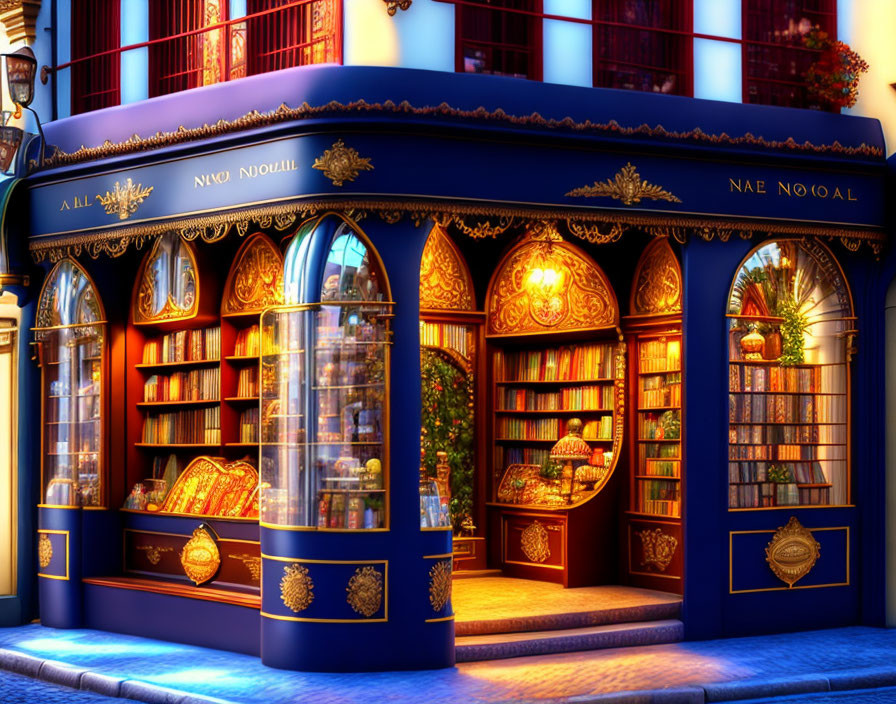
21,68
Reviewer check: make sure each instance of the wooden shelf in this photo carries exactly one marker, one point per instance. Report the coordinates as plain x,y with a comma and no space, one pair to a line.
774,363
564,411
780,422
168,404
241,444
518,440
652,476
560,382
659,440
664,371
648,409
790,393
242,399
183,589
243,359
176,444
174,365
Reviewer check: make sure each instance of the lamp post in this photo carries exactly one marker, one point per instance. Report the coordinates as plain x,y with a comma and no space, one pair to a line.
21,68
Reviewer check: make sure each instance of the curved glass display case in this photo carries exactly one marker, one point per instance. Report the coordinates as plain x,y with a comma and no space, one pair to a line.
325,385
71,332
168,288
790,331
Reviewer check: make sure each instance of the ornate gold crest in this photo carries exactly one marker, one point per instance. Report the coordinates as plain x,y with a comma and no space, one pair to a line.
393,5
154,553
365,591
627,187
44,550
534,542
252,563
657,286
200,557
124,201
445,282
792,552
440,584
341,163
659,548
296,587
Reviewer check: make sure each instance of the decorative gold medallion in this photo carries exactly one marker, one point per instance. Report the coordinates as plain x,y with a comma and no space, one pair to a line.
124,201
393,5
296,587
440,584
659,548
200,557
534,542
154,553
792,552
252,563
627,187
341,163
365,591
44,550
657,286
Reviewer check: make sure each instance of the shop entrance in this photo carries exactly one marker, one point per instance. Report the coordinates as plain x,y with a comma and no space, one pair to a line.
551,434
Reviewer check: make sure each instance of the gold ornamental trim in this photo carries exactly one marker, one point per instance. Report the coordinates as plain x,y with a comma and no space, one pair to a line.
393,5
792,552
296,587
305,111
365,591
124,200
658,283
44,551
340,163
445,280
255,282
154,552
200,557
475,220
252,563
534,542
626,186
440,584
659,548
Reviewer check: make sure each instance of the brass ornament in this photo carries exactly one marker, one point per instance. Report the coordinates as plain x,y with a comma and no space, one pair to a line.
200,557
792,552
365,591
484,228
445,281
341,163
657,287
154,553
393,5
440,584
659,549
252,563
592,233
627,187
534,542
256,280
44,551
296,587
124,201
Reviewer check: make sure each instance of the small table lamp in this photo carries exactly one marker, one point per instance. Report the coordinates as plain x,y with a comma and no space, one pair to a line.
568,449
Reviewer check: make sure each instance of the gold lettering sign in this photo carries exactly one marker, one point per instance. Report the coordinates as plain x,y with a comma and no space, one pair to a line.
785,188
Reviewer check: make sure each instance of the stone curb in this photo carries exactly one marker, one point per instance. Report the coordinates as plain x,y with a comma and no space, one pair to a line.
66,675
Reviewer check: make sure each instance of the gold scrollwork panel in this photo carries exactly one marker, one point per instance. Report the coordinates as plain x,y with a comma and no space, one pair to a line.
445,281
52,554
255,281
658,283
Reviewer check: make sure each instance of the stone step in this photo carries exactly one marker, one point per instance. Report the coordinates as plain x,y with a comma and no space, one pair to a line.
498,646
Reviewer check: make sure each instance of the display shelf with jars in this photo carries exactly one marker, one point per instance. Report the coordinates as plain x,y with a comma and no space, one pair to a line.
71,332
324,387
791,328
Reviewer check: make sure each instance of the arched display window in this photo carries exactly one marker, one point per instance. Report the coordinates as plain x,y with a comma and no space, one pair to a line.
325,384
71,329
168,287
791,325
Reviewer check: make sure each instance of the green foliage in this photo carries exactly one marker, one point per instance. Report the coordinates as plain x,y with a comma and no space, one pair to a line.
671,424
793,327
780,474
448,426
551,469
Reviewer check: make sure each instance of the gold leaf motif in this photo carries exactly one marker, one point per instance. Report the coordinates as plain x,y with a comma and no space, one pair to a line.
393,5
252,563
171,257
341,163
124,201
44,550
792,552
659,549
256,281
296,587
200,557
627,187
534,542
445,282
440,584
154,553
484,228
657,286
365,591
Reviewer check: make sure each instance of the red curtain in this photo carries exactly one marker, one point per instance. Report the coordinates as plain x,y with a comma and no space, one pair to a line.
498,42
96,27
305,34
176,64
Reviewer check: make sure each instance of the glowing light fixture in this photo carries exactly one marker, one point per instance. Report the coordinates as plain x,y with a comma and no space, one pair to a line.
21,68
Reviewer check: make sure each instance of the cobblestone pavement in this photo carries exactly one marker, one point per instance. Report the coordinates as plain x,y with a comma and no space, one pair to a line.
17,689
885,695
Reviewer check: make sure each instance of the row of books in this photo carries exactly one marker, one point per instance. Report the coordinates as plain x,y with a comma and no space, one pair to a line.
660,356
184,346
774,453
750,377
652,427
247,383
574,398
526,429
664,450
200,426
505,457
766,494
249,425
785,434
601,429
658,391
662,468
580,363
659,497
787,408
194,385
446,336
247,342
801,472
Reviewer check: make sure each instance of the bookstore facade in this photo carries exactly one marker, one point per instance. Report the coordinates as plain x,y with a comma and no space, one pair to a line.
299,367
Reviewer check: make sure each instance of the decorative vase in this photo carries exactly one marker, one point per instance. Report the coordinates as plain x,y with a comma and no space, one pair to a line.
752,345
772,349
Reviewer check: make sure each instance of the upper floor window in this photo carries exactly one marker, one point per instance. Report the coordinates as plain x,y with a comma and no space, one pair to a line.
96,28
501,37
775,58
